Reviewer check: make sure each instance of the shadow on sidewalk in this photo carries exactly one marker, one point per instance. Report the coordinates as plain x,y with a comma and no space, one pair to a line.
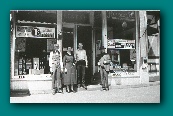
19,93
96,79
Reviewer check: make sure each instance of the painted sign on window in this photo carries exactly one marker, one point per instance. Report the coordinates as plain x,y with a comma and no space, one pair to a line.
35,32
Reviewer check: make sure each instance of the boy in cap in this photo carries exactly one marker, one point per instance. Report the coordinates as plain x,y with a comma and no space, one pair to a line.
104,67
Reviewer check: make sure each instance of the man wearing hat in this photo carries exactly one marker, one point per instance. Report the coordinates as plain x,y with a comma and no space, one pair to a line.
55,69
104,67
81,62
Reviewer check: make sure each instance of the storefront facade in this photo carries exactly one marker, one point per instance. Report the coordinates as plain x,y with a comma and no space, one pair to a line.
122,33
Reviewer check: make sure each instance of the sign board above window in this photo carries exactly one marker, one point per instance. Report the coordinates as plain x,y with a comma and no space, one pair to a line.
121,15
35,32
76,17
121,44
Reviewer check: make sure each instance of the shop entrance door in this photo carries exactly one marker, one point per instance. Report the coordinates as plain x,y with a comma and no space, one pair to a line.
68,39
84,35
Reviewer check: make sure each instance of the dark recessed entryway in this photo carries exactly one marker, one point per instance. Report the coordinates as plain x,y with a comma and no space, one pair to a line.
84,35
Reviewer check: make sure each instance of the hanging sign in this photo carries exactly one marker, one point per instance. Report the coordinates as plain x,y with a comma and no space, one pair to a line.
35,32
121,44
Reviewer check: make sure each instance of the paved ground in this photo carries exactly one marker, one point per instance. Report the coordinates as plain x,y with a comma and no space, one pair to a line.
128,94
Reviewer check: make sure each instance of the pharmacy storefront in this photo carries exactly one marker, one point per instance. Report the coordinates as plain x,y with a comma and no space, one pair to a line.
122,33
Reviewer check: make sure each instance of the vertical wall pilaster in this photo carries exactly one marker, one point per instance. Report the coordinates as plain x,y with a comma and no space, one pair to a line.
104,30
59,31
93,41
137,41
12,39
143,48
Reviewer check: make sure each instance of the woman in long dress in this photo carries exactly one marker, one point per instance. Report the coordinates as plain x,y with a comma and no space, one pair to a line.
70,71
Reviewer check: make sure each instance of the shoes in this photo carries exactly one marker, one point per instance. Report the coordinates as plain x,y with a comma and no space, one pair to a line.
78,86
107,89
103,89
73,91
67,89
53,92
85,87
59,91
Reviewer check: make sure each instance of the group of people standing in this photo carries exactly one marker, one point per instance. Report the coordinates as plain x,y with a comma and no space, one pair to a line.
64,75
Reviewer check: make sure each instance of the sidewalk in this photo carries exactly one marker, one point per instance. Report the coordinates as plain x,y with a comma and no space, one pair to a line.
95,86
98,86
149,93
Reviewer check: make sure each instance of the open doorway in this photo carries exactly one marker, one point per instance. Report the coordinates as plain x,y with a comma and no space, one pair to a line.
68,38
84,35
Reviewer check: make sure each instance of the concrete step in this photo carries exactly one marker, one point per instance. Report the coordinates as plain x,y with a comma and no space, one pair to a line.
154,78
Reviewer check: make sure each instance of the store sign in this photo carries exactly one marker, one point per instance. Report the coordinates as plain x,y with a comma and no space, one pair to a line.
121,44
76,17
35,32
121,15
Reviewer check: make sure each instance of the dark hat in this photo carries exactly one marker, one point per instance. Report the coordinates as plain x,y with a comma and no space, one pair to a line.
102,47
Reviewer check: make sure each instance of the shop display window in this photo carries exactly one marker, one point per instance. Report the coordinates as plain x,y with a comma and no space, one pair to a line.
122,40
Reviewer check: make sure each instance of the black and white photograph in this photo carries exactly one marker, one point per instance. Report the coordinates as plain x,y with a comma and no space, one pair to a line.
84,56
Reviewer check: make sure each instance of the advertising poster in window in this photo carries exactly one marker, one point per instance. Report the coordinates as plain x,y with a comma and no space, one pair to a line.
121,44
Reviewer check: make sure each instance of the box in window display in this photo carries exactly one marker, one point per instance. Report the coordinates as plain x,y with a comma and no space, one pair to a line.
28,64
41,71
36,63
